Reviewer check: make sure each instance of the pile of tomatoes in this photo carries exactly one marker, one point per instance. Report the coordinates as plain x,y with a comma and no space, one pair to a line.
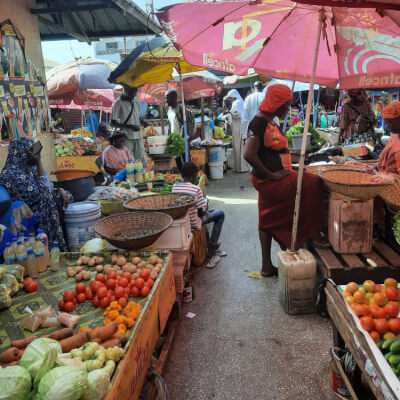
377,306
107,288
30,285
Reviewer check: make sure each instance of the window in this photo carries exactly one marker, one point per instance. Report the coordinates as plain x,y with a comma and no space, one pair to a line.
112,46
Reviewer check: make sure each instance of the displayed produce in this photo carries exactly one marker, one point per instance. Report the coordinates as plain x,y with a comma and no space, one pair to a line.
175,144
15,383
76,147
396,227
316,139
112,193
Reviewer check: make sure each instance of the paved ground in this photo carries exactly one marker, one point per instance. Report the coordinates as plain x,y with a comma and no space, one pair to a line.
241,345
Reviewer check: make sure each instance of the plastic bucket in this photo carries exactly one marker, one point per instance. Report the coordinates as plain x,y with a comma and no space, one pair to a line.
80,220
157,144
80,188
216,170
216,154
297,139
230,158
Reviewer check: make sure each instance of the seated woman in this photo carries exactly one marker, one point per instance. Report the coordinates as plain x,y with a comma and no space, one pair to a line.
389,160
272,176
26,181
116,155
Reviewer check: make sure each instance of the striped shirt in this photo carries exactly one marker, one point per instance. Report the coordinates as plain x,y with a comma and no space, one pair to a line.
195,191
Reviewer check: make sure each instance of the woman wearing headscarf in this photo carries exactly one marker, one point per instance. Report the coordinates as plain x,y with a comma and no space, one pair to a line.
25,180
389,160
238,109
356,104
116,155
272,176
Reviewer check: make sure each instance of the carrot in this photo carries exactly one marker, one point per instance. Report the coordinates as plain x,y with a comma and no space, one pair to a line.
61,334
122,338
114,341
11,354
97,340
105,332
10,364
73,342
22,343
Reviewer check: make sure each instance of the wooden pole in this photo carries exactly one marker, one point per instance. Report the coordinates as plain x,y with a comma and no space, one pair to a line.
305,133
91,118
202,116
184,116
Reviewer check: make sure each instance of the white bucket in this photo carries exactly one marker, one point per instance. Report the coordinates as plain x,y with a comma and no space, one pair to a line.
157,144
216,170
297,139
80,219
216,154
231,159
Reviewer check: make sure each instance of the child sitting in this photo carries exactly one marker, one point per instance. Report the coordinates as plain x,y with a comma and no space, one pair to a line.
199,214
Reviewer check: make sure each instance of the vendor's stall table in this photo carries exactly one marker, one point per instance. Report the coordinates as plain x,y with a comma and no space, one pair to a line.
78,162
344,268
346,332
181,266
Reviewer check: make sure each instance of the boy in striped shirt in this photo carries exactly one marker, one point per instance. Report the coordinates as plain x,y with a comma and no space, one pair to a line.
199,213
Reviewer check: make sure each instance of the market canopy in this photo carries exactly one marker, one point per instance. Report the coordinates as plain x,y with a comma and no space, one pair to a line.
359,47
88,20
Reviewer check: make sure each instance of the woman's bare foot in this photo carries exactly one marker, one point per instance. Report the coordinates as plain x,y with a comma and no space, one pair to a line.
270,272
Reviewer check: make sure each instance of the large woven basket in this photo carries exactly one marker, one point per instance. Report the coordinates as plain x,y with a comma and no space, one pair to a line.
391,196
160,203
133,230
319,169
356,184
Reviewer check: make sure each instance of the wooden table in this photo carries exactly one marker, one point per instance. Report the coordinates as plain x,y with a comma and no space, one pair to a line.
346,334
344,268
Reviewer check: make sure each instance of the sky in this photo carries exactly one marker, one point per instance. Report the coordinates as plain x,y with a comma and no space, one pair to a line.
62,51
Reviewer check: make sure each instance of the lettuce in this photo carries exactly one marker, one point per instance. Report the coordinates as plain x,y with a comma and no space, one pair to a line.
63,383
98,383
15,383
39,357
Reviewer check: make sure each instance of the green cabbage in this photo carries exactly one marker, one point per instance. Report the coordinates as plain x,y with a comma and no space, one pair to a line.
15,383
63,383
98,382
39,357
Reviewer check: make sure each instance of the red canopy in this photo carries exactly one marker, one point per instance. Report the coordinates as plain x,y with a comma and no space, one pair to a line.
380,4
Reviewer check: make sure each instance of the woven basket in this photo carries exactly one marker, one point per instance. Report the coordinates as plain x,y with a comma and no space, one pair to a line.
391,196
160,203
133,225
356,184
318,169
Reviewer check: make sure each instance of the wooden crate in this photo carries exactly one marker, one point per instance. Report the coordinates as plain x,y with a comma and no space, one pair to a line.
344,268
181,265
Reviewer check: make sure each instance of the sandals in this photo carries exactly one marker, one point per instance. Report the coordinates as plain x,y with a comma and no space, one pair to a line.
214,261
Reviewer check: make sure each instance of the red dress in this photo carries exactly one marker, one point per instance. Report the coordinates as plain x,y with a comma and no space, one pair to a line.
276,198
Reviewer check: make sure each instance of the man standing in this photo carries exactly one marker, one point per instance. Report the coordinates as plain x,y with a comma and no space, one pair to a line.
252,102
126,115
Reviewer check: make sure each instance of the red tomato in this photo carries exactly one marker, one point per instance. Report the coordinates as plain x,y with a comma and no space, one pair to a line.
127,275
61,305
391,293
26,281
31,286
112,275
69,306
381,325
145,291
80,288
89,293
110,293
145,274
123,282
100,277
377,312
122,301
74,301
128,291
101,292
119,292
150,282
93,286
111,283
81,297
113,298
392,308
96,301
394,325
367,323
104,302
139,283
69,295
135,291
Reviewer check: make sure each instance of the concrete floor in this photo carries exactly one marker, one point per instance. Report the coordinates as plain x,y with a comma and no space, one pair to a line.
241,345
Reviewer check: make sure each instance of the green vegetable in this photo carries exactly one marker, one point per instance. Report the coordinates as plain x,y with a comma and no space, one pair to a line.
109,367
5,298
15,383
175,144
11,282
39,357
298,129
395,347
394,360
388,355
387,343
396,227
97,360
98,383
16,270
63,383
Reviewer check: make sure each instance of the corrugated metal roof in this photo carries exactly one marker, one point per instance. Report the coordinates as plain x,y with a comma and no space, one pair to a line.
89,20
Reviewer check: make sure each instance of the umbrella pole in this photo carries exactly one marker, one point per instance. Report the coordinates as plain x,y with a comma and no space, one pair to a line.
162,118
287,117
184,116
91,117
304,141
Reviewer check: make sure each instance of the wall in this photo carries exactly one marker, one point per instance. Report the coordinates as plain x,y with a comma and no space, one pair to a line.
18,12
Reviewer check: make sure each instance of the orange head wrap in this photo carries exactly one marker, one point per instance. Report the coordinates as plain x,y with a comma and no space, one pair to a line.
277,96
391,111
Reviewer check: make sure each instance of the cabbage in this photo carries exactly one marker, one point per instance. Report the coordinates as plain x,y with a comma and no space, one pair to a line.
98,382
15,383
63,383
39,357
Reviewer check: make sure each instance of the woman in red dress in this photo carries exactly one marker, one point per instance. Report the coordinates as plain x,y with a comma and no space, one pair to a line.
272,176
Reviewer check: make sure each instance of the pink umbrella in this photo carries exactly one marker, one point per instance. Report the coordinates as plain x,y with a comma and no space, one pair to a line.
360,47
98,99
